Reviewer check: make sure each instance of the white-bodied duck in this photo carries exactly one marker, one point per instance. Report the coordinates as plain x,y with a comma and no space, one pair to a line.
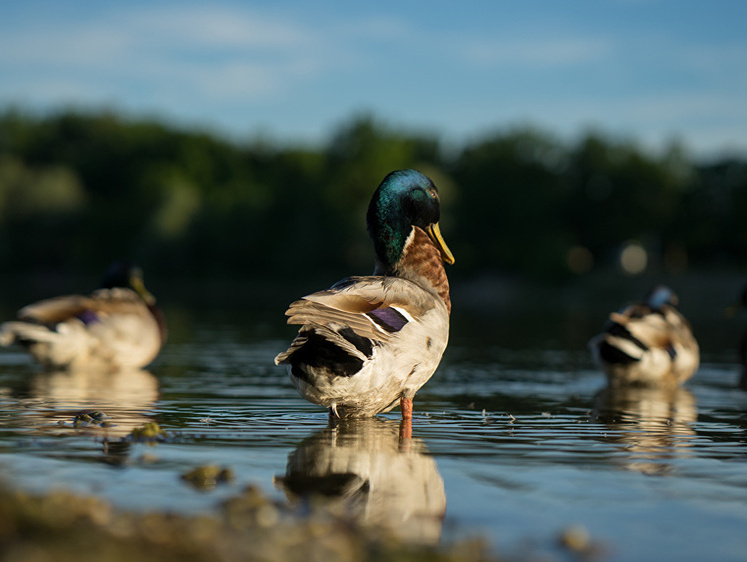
369,343
117,326
648,343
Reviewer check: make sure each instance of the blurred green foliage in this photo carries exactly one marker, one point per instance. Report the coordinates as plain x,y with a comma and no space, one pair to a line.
84,189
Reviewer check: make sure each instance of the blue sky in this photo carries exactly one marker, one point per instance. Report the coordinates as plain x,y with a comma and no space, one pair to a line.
649,70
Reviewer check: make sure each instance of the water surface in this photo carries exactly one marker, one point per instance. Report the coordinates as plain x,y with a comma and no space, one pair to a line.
515,438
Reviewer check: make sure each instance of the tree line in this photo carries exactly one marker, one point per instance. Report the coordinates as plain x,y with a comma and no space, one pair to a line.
85,188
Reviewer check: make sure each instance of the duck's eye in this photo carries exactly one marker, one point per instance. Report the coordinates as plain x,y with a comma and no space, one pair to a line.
433,193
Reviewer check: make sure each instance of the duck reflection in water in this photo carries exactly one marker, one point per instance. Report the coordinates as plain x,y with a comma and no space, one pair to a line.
383,478
651,423
126,397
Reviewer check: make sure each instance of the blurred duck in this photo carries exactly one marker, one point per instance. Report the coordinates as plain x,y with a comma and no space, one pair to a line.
368,343
117,326
647,343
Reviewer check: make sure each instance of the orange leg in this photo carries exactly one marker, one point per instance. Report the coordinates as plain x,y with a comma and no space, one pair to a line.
405,434
405,404
405,426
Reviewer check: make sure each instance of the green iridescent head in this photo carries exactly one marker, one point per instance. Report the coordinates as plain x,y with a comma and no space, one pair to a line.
404,199
127,275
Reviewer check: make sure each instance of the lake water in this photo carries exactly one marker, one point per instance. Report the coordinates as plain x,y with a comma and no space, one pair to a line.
515,438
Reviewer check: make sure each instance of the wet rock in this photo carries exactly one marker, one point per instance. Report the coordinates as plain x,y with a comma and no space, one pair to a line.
150,432
208,476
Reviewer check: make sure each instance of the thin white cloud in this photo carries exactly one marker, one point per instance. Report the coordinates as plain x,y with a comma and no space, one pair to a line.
228,80
536,52
38,89
155,30
217,52
707,121
728,59
378,28
76,45
220,27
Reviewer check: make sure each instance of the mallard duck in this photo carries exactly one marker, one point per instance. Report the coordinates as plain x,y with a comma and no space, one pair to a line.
370,342
647,343
117,326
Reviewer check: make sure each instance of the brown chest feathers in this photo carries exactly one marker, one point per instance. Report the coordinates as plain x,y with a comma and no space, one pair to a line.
422,263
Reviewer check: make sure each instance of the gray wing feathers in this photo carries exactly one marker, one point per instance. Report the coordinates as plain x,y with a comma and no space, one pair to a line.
104,301
305,312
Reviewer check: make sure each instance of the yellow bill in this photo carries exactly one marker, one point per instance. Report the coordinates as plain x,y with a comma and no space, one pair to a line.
435,234
136,282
